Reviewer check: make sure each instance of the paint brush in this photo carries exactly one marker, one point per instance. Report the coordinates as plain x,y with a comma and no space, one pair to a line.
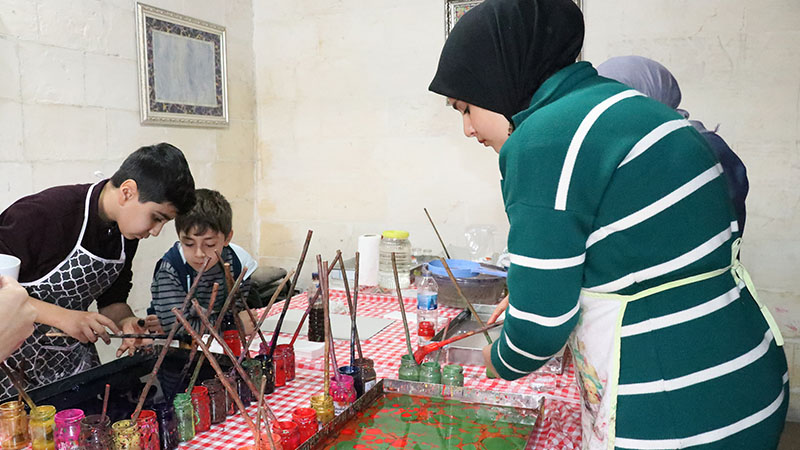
105,400
437,233
217,324
402,305
311,302
444,337
355,309
326,297
354,339
211,359
419,355
17,385
464,299
185,370
326,374
117,336
165,349
277,331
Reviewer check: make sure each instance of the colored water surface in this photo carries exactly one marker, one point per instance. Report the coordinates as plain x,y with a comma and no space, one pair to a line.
421,423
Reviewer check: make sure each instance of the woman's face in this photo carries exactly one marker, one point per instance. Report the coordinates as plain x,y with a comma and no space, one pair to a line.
489,128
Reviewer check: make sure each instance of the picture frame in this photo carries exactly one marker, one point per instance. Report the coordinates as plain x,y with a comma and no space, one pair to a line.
454,9
182,69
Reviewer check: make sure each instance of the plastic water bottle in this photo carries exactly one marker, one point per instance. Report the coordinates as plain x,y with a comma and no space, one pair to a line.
427,308
394,241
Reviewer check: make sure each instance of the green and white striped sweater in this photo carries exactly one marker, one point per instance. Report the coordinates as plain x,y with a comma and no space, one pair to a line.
609,191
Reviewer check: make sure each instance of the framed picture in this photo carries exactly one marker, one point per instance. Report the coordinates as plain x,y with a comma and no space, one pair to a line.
454,9
182,69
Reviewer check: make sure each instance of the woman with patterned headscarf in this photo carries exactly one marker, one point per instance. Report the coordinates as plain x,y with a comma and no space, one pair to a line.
621,241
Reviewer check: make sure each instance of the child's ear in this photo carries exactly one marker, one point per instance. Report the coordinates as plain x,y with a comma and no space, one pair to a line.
228,238
128,190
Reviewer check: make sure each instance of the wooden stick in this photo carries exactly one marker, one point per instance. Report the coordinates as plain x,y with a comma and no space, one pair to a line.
326,374
258,412
105,400
402,305
354,339
165,349
328,328
464,299
17,385
355,310
217,324
185,370
444,336
211,359
277,331
117,336
266,310
225,348
437,233
419,355
311,302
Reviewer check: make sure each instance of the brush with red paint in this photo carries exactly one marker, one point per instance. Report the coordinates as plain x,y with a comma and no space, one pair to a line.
419,355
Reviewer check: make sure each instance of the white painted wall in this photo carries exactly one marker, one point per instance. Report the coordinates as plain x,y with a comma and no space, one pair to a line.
69,107
350,140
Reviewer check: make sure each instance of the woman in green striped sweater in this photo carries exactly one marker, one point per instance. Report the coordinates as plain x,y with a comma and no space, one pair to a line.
622,241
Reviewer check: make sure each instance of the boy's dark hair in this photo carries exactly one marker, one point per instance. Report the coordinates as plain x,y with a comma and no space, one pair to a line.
161,174
210,212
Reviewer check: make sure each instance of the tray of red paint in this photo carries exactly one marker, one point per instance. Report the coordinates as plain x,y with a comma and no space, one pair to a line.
405,414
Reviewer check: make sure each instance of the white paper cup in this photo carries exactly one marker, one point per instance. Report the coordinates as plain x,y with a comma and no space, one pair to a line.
9,266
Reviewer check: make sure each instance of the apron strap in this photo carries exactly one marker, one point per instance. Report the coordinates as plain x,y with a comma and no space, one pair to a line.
740,274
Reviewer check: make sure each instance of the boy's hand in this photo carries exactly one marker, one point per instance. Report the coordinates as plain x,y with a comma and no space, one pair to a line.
14,303
131,325
498,310
152,324
86,326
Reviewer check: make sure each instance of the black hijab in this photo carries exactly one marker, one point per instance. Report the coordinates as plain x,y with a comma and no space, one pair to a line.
501,51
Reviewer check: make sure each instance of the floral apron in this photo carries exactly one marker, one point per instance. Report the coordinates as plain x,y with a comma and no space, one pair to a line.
596,346
73,284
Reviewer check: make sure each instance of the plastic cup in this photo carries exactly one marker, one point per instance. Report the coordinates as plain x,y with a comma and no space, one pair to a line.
9,266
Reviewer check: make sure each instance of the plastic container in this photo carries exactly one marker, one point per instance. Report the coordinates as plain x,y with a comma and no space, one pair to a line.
42,427
96,432
394,241
148,430
126,435
427,308
68,429
481,290
14,425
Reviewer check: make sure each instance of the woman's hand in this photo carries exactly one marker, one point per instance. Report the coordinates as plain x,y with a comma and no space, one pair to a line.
499,309
85,326
131,325
14,304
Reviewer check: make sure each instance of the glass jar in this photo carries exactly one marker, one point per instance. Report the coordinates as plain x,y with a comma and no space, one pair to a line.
355,373
202,409
148,430
279,359
316,323
253,369
322,404
265,445
126,435
96,432
453,375
288,364
167,426
306,420
68,429
342,392
14,425
42,427
216,393
394,241
368,374
409,370
430,372
184,416
231,379
268,372
245,394
289,433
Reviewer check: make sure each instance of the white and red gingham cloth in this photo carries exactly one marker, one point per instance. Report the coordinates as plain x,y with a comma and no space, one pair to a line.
559,427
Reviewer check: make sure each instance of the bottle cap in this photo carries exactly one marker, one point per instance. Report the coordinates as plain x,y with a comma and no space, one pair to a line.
395,234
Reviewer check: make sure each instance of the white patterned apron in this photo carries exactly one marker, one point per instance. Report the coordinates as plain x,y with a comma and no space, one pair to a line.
73,284
596,347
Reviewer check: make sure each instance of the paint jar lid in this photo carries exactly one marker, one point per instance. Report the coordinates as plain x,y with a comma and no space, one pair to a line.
395,234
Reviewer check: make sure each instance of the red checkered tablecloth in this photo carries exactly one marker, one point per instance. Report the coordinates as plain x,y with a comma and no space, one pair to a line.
559,427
